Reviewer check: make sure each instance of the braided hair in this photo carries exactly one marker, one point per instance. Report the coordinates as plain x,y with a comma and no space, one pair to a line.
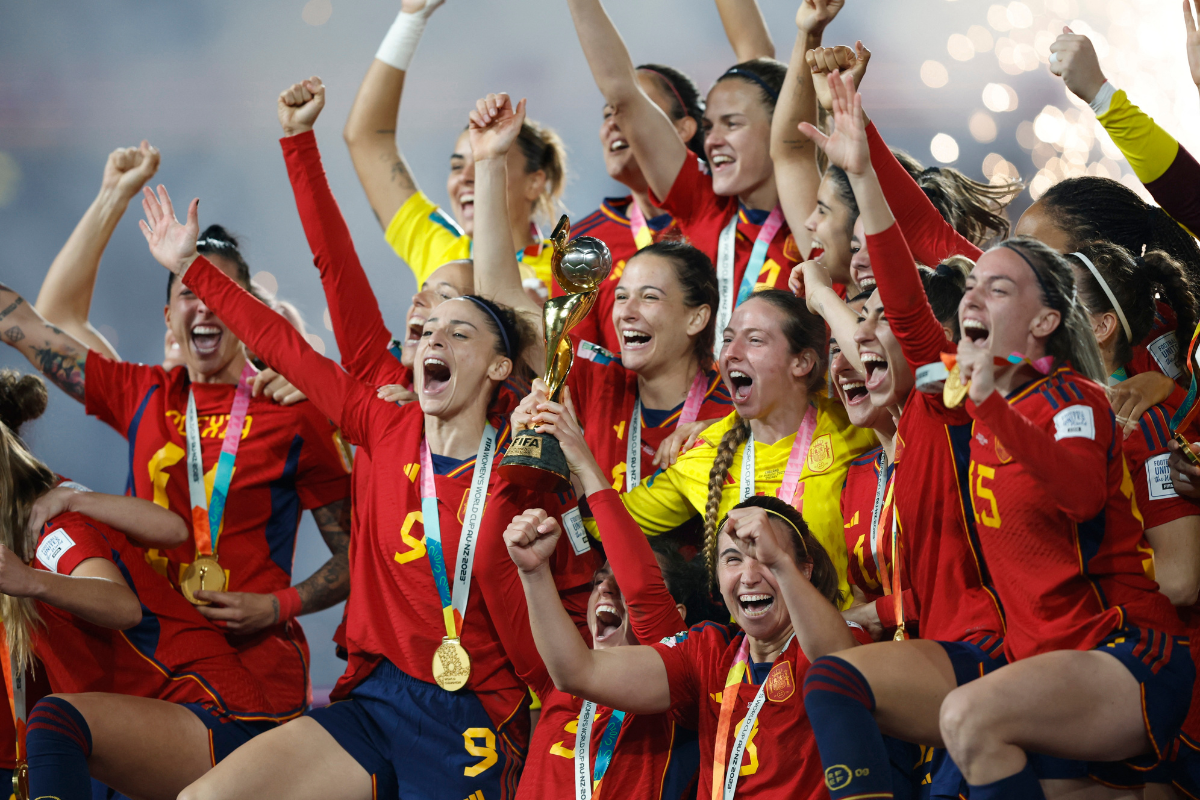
1137,287
1101,209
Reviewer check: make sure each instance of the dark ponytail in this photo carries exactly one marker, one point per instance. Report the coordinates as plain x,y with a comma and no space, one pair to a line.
944,288
216,241
1101,209
974,209
1137,287
686,101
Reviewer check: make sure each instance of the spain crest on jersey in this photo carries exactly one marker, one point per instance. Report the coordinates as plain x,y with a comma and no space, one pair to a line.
820,454
780,685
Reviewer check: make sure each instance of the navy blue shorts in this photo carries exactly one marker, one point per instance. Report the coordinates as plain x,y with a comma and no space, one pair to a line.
420,742
1185,769
971,660
226,734
1162,665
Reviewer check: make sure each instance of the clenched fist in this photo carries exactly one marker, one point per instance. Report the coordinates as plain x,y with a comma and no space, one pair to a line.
300,104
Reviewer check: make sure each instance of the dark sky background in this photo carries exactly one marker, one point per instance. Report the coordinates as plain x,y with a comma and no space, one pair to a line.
199,80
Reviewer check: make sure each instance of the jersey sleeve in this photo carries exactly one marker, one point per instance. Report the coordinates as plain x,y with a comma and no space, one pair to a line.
346,401
651,607
1146,455
659,504
67,541
885,607
324,474
932,239
113,390
1167,170
362,337
912,319
425,236
682,658
1068,458
691,197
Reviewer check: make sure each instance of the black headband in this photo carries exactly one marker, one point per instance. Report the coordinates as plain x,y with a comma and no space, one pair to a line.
745,73
495,318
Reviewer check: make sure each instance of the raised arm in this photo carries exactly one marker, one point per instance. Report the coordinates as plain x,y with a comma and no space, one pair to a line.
358,326
746,29
138,519
630,678
95,591
65,298
1168,171
495,124
795,156
348,403
810,281
656,145
58,355
370,131
920,334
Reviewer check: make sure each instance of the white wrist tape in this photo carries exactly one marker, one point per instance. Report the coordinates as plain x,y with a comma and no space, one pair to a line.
402,39
1103,99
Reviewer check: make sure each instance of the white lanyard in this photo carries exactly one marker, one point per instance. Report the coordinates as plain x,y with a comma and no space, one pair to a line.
739,744
728,297
789,488
583,751
633,445
881,483
465,561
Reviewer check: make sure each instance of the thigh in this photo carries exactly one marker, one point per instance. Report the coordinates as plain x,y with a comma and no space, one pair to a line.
298,761
1069,704
1087,789
142,747
910,680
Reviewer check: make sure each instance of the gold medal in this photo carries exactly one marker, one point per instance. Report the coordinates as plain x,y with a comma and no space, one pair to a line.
203,573
20,781
451,665
953,392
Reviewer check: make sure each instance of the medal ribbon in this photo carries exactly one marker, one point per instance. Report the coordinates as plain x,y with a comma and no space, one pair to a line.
878,538
790,490
726,254
724,782
883,486
1187,410
897,593
14,684
454,605
584,782
206,516
642,235
633,446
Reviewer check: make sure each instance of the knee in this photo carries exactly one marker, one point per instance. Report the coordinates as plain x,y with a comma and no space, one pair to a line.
963,725
833,680
200,789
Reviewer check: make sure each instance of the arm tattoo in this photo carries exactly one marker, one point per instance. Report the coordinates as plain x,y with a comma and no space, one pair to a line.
14,334
401,176
330,584
13,306
61,367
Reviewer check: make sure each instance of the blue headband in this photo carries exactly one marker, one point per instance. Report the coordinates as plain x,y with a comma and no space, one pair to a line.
495,318
745,73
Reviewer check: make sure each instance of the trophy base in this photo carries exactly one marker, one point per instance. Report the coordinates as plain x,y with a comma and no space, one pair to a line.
536,461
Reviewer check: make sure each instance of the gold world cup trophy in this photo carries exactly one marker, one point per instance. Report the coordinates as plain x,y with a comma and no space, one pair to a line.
535,460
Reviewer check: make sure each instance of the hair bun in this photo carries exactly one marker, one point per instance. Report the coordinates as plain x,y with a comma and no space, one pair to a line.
22,398
217,233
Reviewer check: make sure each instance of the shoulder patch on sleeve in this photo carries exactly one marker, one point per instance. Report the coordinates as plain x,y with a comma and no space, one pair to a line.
54,545
1158,476
1075,422
441,219
1165,350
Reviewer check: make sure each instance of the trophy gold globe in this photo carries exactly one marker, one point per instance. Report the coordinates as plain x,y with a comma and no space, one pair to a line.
535,460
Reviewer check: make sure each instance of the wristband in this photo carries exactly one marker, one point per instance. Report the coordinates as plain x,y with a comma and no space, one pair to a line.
1103,99
401,41
289,603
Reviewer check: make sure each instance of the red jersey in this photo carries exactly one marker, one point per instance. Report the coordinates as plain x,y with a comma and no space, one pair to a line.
1056,510
394,612
1146,453
702,215
781,758
942,560
610,224
173,654
652,758
604,393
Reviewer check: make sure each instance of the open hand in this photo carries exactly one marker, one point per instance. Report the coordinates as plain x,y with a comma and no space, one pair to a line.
395,393
1073,58
679,441
814,16
847,147
240,612
48,506
128,169
531,539
269,383
1137,394
299,106
807,280
495,124
172,243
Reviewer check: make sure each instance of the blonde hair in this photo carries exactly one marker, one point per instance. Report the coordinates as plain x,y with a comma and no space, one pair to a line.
23,478
543,149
